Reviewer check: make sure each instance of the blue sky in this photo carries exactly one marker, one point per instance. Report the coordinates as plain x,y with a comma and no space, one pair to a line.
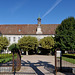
27,11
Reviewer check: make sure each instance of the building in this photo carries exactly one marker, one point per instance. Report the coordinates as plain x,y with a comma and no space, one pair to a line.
16,31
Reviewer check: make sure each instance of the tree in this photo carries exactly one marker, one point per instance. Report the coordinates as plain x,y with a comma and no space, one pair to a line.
3,42
65,34
47,43
28,43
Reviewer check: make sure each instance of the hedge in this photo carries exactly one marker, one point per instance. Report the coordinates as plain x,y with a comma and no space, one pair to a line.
6,57
69,55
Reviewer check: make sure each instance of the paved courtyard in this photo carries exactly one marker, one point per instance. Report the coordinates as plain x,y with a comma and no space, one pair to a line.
37,65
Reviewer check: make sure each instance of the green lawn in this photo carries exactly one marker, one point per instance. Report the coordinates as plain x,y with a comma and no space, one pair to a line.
69,59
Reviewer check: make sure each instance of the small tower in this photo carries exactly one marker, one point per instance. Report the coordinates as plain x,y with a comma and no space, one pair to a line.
39,21
39,26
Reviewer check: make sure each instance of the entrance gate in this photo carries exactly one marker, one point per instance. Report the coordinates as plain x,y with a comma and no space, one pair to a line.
10,63
6,63
63,63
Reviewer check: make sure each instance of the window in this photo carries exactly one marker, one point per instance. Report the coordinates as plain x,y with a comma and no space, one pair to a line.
14,39
19,30
18,38
9,39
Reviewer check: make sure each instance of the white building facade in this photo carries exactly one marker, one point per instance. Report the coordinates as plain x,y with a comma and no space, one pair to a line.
14,32
14,38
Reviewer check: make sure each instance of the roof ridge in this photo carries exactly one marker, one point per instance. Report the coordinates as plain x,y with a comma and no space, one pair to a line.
29,24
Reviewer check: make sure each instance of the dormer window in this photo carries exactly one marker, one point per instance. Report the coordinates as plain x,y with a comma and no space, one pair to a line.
19,30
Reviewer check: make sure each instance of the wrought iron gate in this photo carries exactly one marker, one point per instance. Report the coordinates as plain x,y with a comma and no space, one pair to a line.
62,65
8,63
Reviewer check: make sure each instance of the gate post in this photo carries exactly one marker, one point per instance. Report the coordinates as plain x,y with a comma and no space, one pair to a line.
58,54
13,63
55,63
61,62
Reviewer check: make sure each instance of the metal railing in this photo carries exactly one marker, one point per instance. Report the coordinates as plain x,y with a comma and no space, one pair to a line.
64,63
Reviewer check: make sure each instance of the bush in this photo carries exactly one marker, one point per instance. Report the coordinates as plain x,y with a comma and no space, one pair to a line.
6,57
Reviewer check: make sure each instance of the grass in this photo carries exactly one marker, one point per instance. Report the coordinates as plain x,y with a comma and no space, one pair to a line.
69,59
6,57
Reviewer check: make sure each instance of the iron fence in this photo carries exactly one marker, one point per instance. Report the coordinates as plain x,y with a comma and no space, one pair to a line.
7,63
65,62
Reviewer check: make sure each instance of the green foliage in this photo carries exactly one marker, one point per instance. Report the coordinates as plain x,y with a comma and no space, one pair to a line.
3,42
14,47
47,42
28,43
65,34
6,57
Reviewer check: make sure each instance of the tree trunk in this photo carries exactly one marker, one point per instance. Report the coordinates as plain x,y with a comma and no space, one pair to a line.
26,52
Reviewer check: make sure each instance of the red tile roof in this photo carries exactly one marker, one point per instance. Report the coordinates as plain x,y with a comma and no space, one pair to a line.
49,28
27,29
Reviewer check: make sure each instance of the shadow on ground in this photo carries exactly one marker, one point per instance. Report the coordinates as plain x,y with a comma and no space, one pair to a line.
46,66
67,71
